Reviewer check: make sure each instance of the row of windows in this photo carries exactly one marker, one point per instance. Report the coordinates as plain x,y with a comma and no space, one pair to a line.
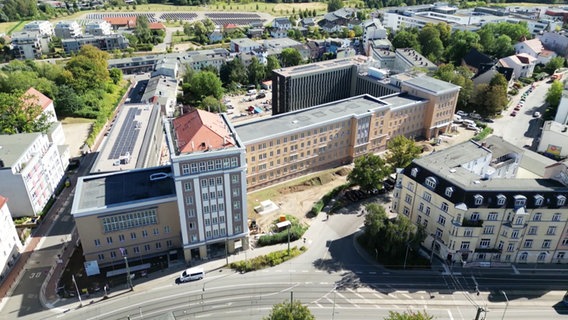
133,235
295,137
136,250
211,165
129,220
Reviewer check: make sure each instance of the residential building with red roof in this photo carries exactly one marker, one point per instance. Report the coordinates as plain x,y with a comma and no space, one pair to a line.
535,49
522,64
209,167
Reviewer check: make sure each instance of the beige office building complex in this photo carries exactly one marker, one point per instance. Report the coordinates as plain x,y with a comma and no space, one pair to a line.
487,202
325,136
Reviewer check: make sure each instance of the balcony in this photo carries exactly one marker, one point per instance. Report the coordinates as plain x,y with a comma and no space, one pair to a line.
472,223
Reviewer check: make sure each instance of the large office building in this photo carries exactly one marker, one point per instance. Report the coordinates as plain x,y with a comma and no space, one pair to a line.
300,87
486,202
209,170
332,134
129,213
30,170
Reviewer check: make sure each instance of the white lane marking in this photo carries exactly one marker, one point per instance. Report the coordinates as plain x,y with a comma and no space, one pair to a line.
406,295
344,298
450,315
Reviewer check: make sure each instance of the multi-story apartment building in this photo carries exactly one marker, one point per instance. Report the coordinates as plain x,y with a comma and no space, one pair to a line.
29,45
44,28
30,170
98,28
128,213
317,83
68,29
105,43
487,202
10,244
325,136
209,170
407,59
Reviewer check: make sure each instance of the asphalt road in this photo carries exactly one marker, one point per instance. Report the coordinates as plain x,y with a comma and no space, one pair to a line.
335,282
522,129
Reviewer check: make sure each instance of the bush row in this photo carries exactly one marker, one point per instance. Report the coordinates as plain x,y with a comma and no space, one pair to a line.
296,232
483,134
324,201
106,111
270,260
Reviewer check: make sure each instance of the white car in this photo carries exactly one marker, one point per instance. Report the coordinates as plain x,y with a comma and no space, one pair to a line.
461,113
191,274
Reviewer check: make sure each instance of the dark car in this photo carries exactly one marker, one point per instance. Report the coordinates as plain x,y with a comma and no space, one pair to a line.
261,95
488,120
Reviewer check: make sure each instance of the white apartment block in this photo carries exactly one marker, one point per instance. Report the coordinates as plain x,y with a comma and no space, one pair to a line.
29,44
67,29
30,170
44,28
10,245
522,65
98,28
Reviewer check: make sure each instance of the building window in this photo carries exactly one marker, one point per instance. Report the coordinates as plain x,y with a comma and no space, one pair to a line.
449,191
431,182
523,257
538,200
511,247
101,256
551,230
465,245
528,243
236,205
520,201
541,256
187,186
191,213
478,199
427,212
166,229
442,220
532,230
408,199
109,240
537,216
236,192
185,169
501,200
560,200
556,217
188,200
406,211
97,243
219,181
112,254
492,216
488,229
158,245
468,233
421,207
474,216
194,168
147,247
133,235
484,243
169,243
144,234
515,234
234,179
205,196
444,207
519,220
129,220
427,197
546,244
156,231
121,237
414,172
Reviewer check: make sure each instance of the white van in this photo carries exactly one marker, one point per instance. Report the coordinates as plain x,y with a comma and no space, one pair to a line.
457,118
191,274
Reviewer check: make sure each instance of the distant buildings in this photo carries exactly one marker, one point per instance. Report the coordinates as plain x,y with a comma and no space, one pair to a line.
29,45
535,49
44,28
105,43
68,29
522,65
98,28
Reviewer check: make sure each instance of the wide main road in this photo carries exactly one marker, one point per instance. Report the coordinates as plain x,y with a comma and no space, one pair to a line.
334,281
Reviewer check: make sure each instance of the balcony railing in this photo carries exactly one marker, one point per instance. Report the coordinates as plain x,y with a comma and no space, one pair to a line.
472,223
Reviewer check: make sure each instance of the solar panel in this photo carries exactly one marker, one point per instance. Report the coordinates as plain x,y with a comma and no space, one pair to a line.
127,136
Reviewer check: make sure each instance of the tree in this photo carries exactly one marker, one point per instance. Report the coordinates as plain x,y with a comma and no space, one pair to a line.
554,64
406,39
369,172
459,45
503,46
460,76
401,152
212,104
20,113
554,94
116,75
429,39
256,72
142,31
204,84
233,71
409,315
272,63
290,57
334,5
68,101
290,311
89,69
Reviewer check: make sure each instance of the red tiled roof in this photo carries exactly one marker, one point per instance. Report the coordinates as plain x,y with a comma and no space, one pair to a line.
3,201
156,26
230,26
38,98
200,130
121,21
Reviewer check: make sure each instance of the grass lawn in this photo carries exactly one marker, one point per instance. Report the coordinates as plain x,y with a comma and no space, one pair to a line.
72,120
6,27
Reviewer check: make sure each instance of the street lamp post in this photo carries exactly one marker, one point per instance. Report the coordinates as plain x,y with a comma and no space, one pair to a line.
78,292
406,255
128,277
506,305
290,226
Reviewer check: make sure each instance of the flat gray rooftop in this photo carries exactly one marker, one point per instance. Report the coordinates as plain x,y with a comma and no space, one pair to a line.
432,84
12,146
112,189
315,116
321,66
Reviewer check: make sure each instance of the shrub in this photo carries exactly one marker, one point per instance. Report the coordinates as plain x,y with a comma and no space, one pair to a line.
269,260
483,134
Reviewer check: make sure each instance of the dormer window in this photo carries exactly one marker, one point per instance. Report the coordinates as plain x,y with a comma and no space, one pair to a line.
449,191
520,201
560,200
478,199
414,172
431,182
538,200
501,200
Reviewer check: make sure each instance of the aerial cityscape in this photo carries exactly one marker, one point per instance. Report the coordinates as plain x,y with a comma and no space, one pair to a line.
266,160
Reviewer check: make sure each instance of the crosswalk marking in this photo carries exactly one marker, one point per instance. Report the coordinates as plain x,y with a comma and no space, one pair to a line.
348,300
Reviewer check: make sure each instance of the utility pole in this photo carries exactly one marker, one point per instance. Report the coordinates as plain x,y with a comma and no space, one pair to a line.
78,293
406,256
506,305
128,277
291,302
289,226
478,314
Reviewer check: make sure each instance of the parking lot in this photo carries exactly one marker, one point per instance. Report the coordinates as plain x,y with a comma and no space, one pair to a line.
249,106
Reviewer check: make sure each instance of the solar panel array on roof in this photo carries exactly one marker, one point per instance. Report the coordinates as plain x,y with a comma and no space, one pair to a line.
127,136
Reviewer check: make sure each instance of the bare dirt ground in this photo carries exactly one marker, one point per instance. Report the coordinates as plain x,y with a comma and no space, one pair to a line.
76,132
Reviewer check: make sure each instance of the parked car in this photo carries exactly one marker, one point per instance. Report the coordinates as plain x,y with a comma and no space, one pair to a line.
461,113
476,116
514,114
261,95
471,127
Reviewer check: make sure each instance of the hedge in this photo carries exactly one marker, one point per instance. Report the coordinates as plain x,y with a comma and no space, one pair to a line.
270,260
318,206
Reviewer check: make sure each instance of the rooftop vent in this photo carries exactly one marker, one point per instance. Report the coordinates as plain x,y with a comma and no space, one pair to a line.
158,176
